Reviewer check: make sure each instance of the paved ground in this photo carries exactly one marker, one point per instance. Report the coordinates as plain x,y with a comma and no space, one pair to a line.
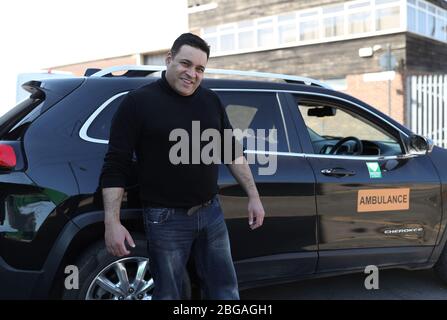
393,284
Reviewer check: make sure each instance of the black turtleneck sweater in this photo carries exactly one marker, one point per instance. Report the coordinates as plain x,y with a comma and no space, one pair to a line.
142,124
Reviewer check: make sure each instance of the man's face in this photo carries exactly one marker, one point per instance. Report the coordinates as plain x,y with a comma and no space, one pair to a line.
184,71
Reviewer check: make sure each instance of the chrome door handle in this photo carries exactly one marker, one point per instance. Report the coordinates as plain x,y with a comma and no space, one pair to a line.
337,172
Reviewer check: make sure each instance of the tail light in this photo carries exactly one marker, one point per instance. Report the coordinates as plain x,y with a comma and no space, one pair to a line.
8,159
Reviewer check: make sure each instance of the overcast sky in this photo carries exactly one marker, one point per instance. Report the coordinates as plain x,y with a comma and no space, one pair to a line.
39,34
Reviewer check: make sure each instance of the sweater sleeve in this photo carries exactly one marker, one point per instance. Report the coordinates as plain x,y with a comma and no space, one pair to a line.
124,133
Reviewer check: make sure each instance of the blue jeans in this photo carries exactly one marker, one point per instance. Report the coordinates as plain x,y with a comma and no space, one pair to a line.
173,236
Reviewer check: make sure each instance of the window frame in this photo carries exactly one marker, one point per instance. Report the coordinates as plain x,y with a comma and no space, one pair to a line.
279,105
83,132
299,140
370,116
292,142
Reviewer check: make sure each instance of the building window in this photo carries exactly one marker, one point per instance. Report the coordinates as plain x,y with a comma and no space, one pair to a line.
387,18
427,19
287,18
265,37
359,22
431,26
246,35
359,17
211,37
227,37
441,30
212,42
351,19
246,40
227,42
333,20
245,24
333,9
308,30
440,22
379,2
155,59
422,18
309,25
287,28
287,34
431,21
265,33
412,19
356,5
333,26
210,30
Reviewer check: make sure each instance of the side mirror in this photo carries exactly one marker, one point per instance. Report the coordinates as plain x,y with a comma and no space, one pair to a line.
419,145
321,112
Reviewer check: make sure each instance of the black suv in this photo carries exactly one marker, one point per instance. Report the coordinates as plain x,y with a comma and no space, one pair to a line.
351,187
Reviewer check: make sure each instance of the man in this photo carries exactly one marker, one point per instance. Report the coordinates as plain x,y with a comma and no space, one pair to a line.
181,211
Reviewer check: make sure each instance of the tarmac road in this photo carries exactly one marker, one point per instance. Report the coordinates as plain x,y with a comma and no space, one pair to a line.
393,285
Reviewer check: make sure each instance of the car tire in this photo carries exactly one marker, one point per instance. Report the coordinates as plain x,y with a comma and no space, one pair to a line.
100,275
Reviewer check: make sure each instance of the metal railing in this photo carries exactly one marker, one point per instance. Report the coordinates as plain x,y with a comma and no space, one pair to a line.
426,105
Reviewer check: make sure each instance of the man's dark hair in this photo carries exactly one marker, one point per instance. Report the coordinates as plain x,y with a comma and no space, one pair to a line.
190,40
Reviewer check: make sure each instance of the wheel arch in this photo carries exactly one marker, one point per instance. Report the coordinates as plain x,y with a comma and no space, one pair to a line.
77,236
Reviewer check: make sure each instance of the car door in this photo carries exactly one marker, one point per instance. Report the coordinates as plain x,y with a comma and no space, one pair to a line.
285,246
376,205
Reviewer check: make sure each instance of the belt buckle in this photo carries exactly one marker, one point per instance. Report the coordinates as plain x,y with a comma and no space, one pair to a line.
194,209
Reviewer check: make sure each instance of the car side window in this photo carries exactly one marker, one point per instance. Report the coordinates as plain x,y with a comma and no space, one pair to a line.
340,131
260,112
100,127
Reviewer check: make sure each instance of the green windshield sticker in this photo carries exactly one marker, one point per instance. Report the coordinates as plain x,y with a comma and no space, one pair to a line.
374,170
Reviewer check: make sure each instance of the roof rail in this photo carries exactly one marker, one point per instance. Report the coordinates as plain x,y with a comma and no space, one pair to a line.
144,70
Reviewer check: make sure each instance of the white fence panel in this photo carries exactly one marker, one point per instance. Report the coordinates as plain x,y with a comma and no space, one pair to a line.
427,107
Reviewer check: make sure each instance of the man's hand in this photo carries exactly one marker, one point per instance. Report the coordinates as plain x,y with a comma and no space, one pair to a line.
115,233
255,212
241,171
115,236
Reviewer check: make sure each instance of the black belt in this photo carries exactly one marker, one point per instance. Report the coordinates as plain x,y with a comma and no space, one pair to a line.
190,210
194,209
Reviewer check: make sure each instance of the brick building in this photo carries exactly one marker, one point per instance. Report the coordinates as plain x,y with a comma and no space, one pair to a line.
344,43
366,48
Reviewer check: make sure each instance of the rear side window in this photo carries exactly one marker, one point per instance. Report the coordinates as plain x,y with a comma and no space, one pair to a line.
100,127
246,110
14,123
256,110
